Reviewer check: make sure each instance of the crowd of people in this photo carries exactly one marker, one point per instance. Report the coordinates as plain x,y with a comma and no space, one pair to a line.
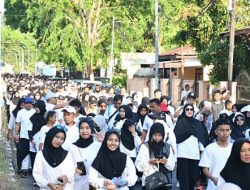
73,136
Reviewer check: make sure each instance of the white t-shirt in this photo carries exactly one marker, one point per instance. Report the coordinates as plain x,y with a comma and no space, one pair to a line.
23,117
43,173
72,135
43,133
86,155
214,158
190,148
77,119
109,112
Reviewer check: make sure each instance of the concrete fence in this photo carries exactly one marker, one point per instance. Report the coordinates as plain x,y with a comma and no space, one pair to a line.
174,87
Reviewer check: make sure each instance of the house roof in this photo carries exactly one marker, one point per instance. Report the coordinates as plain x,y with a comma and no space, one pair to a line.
244,31
187,50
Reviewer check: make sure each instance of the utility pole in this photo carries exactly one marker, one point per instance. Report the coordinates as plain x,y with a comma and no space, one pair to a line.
232,9
156,46
112,61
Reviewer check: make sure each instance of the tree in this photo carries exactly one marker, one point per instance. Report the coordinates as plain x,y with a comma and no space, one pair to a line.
18,49
202,23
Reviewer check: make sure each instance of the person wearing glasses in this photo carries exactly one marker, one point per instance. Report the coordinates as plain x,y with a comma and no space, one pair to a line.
239,129
54,166
190,141
84,151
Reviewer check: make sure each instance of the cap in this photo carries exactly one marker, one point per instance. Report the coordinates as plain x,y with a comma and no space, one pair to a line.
28,100
191,95
159,115
92,100
69,109
50,95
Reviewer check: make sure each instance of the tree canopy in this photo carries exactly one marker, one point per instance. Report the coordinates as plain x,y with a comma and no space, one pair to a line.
78,33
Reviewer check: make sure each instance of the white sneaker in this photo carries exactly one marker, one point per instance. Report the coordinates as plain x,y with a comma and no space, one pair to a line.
177,184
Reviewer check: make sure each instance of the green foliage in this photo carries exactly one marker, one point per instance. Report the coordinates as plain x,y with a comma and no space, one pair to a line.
202,22
18,46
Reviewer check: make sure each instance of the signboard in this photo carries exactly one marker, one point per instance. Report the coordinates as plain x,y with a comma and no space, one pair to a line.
49,71
129,59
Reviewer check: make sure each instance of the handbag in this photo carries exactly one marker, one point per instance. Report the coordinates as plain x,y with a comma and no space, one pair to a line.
156,181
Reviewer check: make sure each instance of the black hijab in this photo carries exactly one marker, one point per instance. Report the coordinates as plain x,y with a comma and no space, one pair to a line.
128,113
37,119
154,147
238,131
141,106
18,107
54,156
83,143
236,171
187,126
126,136
110,163
158,148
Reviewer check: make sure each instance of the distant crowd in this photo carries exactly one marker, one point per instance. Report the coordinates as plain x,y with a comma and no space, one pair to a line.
69,135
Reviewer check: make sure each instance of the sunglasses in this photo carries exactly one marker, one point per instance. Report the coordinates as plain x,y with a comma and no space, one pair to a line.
239,119
189,109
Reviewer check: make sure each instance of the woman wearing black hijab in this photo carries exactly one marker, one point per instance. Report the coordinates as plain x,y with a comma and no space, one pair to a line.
37,120
111,167
130,140
190,141
155,151
54,167
125,112
237,168
239,126
84,151
142,112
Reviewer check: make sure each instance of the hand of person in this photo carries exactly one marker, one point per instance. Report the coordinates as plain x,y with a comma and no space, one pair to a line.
8,137
132,129
153,161
215,180
77,171
60,187
16,137
163,160
99,136
64,179
52,186
108,182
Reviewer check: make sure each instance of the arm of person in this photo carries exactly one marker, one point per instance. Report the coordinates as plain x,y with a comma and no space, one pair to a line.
210,176
70,168
171,160
178,112
131,177
143,135
38,172
61,105
11,126
94,178
16,131
142,160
